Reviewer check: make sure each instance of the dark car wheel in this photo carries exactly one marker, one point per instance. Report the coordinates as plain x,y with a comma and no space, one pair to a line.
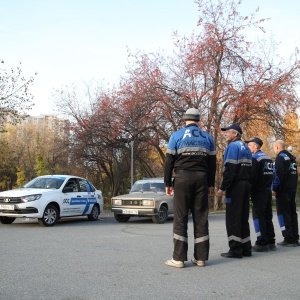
161,216
50,216
94,215
121,218
6,220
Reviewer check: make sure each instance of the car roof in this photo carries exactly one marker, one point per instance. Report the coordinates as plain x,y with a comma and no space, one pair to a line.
58,176
150,180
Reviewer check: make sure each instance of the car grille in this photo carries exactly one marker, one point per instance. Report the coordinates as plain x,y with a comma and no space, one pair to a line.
10,200
132,202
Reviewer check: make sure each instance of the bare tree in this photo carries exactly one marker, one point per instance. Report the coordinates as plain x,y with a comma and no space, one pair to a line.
15,98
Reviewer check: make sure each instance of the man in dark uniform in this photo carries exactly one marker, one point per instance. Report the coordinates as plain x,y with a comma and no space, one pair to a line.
236,182
284,188
261,196
191,154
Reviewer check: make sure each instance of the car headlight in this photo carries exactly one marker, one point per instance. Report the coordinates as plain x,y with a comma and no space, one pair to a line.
31,197
116,202
148,202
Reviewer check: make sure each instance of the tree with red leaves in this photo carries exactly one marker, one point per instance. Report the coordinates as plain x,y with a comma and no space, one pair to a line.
217,70
228,78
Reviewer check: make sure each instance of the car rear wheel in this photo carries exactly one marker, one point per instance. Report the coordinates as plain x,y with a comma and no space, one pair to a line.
50,216
6,220
121,218
94,215
161,216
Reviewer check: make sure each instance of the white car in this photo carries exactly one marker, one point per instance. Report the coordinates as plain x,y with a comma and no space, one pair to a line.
50,197
147,198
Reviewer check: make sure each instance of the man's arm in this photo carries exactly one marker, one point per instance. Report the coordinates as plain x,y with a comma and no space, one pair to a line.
279,174
169,165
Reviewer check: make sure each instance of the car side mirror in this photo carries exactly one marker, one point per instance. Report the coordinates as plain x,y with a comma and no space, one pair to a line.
68,189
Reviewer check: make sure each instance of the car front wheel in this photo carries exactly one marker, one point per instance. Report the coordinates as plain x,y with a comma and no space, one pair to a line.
50,216
161,216
94,215
121,218
6,220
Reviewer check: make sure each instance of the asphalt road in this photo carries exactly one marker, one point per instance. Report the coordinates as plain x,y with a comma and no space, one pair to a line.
82,260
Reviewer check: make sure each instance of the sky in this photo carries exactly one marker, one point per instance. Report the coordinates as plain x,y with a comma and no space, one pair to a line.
74,41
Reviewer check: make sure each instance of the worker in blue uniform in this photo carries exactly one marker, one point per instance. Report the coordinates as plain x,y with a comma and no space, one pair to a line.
261,197
191,156
236,183
284,189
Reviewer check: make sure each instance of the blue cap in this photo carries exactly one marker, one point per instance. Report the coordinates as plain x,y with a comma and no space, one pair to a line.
256,140
233,126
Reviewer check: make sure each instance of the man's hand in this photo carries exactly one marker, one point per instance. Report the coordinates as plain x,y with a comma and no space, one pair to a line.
169,190
220,193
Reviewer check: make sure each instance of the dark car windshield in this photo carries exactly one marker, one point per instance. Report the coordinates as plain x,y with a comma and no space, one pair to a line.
148,187
45,183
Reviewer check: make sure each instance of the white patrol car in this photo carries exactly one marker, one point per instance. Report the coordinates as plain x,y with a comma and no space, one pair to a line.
50,197
147,198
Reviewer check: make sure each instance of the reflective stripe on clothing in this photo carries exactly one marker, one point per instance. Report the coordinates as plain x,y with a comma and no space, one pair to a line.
246,240
237,239
201,239
193,149
238,161
234,238
180,238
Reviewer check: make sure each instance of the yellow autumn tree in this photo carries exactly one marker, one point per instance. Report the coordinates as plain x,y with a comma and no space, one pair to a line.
292,136
264,132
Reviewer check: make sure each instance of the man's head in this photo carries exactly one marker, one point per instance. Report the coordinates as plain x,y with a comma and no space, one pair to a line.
232,132
278,146
192,114
254,144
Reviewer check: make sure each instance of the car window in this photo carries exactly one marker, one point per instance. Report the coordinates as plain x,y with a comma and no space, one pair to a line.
148,186
72,184
158,186
45,183
137,187
84,187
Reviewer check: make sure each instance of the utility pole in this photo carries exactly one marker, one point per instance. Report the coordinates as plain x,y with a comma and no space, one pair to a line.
131,144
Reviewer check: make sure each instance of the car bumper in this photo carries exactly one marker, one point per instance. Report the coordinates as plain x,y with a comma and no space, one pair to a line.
135,211
30,212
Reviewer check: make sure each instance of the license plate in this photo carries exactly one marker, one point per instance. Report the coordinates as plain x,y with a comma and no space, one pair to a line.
130,211
7,207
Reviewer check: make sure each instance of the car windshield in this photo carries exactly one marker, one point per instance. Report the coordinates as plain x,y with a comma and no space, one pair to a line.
148,187
44,183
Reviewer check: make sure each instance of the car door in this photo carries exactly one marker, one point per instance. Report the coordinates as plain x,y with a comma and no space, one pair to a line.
88,195
160,188
73,199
